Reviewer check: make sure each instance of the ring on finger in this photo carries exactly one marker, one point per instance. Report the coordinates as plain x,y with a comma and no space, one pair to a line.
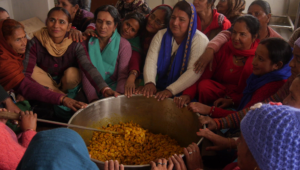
180,98
190,153
158,163
163,163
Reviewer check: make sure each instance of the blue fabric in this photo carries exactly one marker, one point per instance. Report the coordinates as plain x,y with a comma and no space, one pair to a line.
57,149
181,59
272,134
255,82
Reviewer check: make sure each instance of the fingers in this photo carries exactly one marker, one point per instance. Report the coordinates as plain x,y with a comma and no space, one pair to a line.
80,36
116,94
116,163
164,163
159,162
121,167
111,165
106,165
153,165
180,161
171,165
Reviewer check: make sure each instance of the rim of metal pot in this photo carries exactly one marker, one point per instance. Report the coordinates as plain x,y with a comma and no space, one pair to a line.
108,98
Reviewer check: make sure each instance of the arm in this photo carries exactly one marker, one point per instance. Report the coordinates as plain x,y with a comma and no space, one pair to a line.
219,40
89,90
219,112
125,52
134,63
3,94
189,77
226,24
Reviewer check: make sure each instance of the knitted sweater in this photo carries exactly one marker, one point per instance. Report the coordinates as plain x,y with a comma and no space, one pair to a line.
233,120
294,37
12,150
189,77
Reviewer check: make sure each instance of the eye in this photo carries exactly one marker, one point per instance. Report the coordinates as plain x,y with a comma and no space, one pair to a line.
62,22
182,20
127,24
52,20
108,23
173,17
133,30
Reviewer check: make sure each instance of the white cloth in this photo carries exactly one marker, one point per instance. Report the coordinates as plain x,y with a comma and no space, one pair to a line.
189,77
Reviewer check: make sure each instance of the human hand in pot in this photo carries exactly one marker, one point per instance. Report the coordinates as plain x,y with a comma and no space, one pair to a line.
161,164
205,120
178,162
223,103
149,90
162,95
73,104
182,100
193,157
199,108
113,165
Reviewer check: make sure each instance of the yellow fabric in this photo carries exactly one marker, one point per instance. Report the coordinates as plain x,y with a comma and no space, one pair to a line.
56,50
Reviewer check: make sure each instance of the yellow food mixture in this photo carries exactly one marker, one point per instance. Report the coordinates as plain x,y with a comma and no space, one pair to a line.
136,147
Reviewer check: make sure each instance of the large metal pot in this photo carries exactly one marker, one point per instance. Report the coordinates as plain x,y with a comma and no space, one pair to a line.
159,117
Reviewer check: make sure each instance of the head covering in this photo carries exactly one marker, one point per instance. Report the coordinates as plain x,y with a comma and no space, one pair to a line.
272,134
254,82
137,5
181,58
57,149
297,42
11,63
235,9
56,50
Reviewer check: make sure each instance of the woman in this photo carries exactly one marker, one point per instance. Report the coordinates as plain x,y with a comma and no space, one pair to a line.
270,71
172,53
233,120
3,14
262,11
209,21
127,6
52,60
110,53
232,9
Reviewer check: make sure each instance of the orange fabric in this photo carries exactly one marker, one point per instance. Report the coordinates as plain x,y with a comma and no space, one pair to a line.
11,64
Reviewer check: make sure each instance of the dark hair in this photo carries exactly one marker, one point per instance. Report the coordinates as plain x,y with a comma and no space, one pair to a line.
140,18
60,9
263,4
111,10
3,10
184,6
279,50
168,13
80,3
9,26
251,22
212,3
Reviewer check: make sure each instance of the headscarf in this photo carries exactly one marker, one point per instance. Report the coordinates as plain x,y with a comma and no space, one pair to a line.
137,5
59,148
181,59
56,50
235,9
255,82
11,63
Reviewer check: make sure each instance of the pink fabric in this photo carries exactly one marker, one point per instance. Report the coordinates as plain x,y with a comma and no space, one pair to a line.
12,151
120,74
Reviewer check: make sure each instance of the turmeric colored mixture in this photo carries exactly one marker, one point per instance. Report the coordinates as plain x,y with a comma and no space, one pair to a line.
136,147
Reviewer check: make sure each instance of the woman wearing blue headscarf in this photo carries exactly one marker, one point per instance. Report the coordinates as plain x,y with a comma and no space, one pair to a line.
172,53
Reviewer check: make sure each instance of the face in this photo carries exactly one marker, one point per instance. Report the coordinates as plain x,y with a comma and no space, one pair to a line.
259,13
58,24
179,23
105,25
261,62
130,28
241,37
18,41
200,5
222,6
295,63
69,7
4,15
245,158
293,99
156,21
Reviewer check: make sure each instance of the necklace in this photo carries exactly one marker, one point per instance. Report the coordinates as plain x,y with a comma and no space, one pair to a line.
238,59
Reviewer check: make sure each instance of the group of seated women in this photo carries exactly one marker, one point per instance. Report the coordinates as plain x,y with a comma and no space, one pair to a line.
216,61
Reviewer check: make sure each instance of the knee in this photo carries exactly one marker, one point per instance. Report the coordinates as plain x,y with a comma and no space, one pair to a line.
72,74
204,84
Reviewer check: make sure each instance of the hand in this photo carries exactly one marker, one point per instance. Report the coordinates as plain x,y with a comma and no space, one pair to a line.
3,120
110,92
149,90
223,103
162,164
20,98
178,162
130,85
139,90
57,91
211,124
28,120
205,58
220,143
10,105
193,157
163,95
199,108
113,165
76,35
73,104
90,32
182,100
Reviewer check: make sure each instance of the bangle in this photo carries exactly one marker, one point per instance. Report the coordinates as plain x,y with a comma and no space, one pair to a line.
134,73
212,109
62,101
106,88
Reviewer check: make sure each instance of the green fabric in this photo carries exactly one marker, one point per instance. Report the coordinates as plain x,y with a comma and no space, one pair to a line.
105,60
63,112
136,44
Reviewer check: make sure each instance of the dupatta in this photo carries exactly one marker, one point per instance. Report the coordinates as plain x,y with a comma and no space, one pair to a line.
181,59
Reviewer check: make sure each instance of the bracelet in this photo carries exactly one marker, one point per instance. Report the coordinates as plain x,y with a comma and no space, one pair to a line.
134,73
212,109
106,88
62,101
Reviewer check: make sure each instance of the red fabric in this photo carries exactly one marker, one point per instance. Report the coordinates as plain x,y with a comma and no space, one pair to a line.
259,95
134,63
226,24
11,63
11,150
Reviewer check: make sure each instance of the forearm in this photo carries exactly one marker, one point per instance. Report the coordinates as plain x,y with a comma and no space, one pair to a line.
219,40
3,94
89,90
231,121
